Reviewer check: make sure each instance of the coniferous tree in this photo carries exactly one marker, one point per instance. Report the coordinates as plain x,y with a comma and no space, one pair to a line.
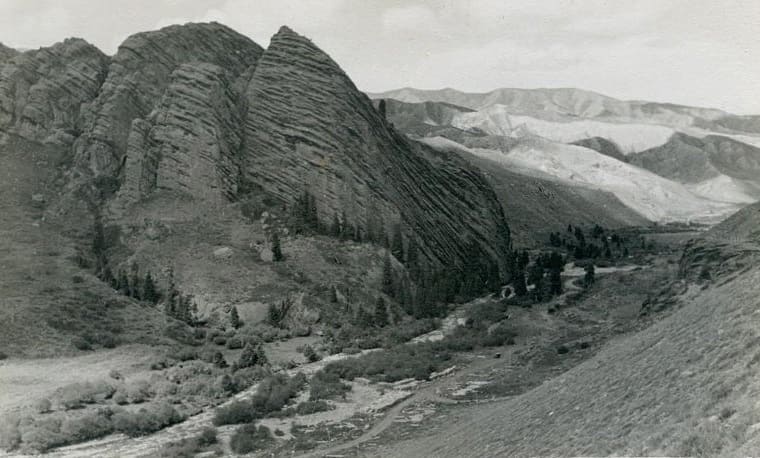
335,226
381,313
123,283
555,281
252,355
134,283
381,108
235,318
412,258
149,289
107,276
397,244
519,283
334,295
387,279
345,232
276,249
588,278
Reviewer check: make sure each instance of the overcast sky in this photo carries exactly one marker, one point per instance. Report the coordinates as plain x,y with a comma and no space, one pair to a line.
696,52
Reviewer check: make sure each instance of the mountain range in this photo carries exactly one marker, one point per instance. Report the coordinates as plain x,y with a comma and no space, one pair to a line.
665,162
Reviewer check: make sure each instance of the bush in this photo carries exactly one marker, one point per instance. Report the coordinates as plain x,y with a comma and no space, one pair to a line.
145,421
75,395
249,438
309,407
219,340
43,405
3,355
234,343
190,447
80,343
184,354
272,395
138,391
326,385
311,355
207,436
114,374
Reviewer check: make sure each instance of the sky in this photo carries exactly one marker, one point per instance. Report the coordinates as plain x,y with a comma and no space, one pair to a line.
693,52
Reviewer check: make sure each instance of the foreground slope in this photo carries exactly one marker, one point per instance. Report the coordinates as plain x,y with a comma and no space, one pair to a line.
684,386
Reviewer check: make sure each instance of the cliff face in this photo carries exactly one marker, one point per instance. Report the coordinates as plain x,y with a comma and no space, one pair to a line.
202,111
141,72
309,128
190,142
42,91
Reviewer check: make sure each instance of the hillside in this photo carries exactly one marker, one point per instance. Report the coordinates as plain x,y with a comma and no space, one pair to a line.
538,206
190,148
684,386
715,166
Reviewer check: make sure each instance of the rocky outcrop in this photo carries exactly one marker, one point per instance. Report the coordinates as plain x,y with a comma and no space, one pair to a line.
139,75
309,129
7,53
190,143
42,91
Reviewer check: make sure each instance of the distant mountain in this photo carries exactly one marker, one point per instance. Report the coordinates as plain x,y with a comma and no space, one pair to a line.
567,103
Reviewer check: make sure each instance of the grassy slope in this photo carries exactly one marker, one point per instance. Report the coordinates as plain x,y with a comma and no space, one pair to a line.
42,306
536,207
684,386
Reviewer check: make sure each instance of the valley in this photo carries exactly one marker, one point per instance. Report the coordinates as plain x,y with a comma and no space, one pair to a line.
210,247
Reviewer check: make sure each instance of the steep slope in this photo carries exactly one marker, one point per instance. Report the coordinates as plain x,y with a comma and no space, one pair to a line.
715,166
309,128
42,91
602,145
421,118
138,76
684,386
203,161
648,194
537,206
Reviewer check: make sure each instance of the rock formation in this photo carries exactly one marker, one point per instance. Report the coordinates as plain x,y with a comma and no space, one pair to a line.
42,91
140,73
309,128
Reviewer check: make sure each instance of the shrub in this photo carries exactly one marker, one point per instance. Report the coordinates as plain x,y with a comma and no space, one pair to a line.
80,343
311,355
43,405
145,421
326,385
184,354
207,436
120,397
138,391
233,343
219,340
249,438
3,355
114,374
252,355
75,395
272,395
309,407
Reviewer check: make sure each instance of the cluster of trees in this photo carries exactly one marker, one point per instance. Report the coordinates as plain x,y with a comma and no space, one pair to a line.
599,245
178,305
544,274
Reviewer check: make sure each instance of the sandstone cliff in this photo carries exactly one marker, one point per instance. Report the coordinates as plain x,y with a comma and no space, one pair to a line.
139,75
309,128
42,91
